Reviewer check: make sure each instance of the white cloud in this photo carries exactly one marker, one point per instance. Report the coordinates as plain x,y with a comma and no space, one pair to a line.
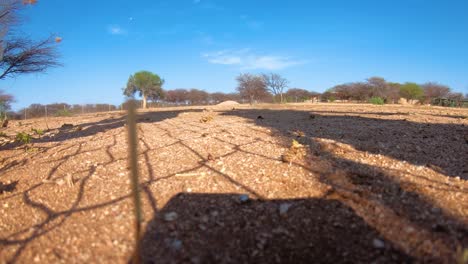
116,30
247,60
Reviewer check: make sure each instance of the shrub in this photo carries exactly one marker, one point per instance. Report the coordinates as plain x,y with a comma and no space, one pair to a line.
411,91
23,138
37,131
2,134
376,101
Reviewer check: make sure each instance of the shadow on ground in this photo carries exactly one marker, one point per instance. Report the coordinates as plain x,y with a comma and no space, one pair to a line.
395,207
439,146
218,228
367,216
101,126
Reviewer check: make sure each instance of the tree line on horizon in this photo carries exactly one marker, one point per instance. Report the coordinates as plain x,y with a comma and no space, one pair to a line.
21,55
273,87
251,88
391,92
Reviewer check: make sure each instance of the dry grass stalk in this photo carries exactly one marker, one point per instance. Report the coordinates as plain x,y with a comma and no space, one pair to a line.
133,164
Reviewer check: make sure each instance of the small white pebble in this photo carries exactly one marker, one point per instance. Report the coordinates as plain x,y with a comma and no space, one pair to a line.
283,208
171,216
377,243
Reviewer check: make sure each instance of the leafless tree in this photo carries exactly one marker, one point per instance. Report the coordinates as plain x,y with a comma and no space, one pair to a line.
218,97
197,97
434,90
251,87
299,95
22,56
379,87
393,92
8,11
363,91
19,55
455,96
177,96
5,99
275,84
5,105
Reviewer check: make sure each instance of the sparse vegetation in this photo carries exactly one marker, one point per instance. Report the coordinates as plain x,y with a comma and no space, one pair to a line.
5,105
64,112
411,91
330,150
290,178
23,138
37,131
377,101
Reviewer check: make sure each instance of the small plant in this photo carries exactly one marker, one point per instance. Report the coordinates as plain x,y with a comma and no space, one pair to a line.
37,131
32,150
23,138
2,134
377,101
206,119
2,116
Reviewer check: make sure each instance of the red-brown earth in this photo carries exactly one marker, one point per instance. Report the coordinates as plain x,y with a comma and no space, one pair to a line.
363,184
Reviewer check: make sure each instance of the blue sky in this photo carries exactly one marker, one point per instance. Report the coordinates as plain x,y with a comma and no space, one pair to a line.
206,43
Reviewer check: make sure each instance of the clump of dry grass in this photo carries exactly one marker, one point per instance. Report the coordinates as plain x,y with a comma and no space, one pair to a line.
206,119
295,152
298,133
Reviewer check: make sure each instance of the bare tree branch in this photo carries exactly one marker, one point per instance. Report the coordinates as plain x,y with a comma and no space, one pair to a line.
275,84
22,56
251,87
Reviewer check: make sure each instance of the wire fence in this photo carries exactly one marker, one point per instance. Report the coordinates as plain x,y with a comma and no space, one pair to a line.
50,110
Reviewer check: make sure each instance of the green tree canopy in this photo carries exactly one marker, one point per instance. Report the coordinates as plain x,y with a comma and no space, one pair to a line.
411,91
147,84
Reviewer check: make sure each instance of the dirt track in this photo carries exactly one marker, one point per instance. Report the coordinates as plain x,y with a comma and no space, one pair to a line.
377,183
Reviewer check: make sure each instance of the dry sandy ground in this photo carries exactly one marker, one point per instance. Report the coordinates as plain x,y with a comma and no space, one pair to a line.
371,184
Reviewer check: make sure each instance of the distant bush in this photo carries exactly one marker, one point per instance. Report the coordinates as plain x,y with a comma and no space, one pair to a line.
23,138
3,134
63,112
377,101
